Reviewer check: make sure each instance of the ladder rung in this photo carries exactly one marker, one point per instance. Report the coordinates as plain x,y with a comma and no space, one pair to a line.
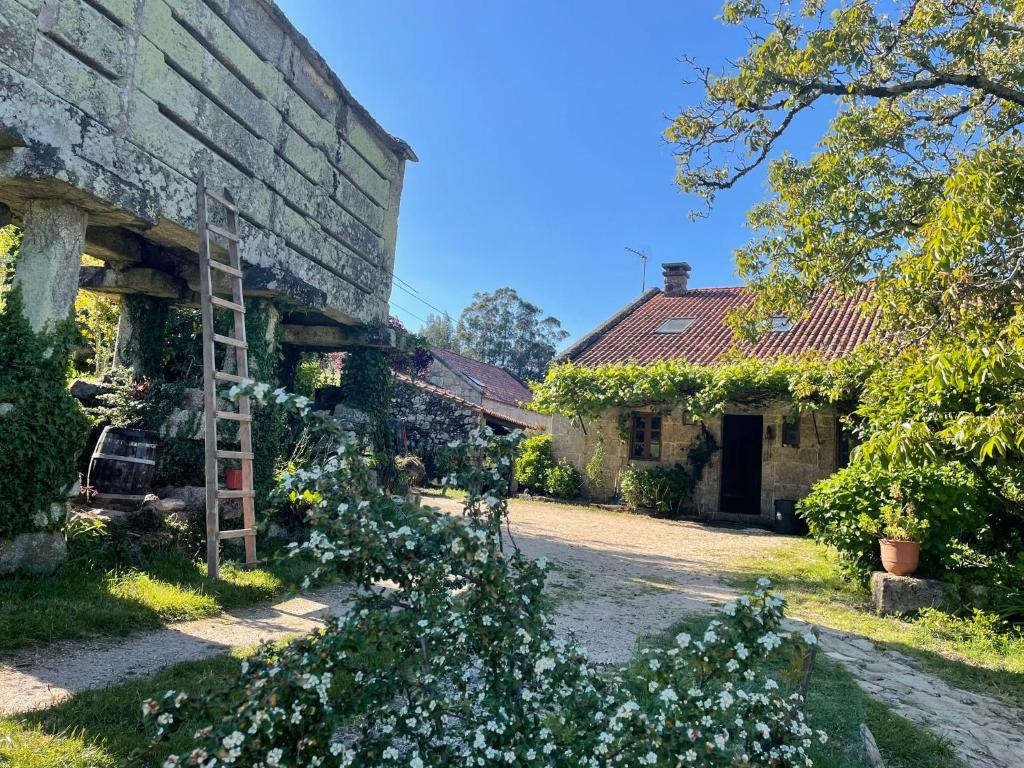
226,234
231,341
217,301
234,378
223,201
232,416
237,533
225,494
227,269
243,455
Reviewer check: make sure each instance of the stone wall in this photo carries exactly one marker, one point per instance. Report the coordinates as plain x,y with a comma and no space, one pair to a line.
432,421
117,107
787,473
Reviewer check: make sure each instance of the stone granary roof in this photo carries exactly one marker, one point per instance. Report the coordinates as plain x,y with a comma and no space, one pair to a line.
691,326
496,383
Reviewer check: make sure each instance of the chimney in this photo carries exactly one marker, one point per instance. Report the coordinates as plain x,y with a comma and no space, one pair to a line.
677,274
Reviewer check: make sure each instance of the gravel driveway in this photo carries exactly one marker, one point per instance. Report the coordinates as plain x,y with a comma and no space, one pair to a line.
619,576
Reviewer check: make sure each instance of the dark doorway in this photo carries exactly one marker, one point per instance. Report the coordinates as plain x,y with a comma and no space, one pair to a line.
741,464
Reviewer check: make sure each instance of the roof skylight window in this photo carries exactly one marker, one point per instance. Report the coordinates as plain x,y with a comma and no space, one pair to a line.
676,325
781,324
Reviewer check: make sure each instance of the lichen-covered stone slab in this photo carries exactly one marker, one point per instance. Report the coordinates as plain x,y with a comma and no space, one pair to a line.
118,107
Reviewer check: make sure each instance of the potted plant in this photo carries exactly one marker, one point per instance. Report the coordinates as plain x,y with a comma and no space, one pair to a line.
899,531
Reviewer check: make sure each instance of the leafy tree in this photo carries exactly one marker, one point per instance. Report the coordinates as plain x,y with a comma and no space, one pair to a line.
439,331
917,181
502,328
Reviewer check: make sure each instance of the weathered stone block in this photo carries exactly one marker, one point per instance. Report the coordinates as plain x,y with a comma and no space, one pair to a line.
82,28
35,554
88,392
17,35
902,595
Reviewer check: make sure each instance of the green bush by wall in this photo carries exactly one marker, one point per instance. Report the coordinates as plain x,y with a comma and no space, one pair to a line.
534,460
948,496
42,428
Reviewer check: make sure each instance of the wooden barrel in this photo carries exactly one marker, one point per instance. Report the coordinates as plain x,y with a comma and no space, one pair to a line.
123,462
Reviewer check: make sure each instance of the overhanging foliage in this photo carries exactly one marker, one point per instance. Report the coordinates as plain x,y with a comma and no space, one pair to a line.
806,383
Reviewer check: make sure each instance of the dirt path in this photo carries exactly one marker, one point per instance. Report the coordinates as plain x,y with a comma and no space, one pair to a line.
40,677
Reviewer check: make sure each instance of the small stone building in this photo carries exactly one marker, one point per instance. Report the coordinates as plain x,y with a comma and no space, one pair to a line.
765,452
490,386
430,416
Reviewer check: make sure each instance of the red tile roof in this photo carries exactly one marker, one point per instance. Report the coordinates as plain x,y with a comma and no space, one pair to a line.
497,383
833,326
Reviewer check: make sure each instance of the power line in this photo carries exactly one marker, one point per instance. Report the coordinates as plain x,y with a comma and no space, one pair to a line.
403,309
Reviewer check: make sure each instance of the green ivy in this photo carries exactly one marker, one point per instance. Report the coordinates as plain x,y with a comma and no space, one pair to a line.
368,385
42,428
148,316
269,424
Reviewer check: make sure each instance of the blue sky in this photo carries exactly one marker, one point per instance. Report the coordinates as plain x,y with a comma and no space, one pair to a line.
538,127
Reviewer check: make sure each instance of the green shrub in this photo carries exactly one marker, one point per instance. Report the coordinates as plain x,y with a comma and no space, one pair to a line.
595,469
42,428
534,460
947,498
563,481
662,488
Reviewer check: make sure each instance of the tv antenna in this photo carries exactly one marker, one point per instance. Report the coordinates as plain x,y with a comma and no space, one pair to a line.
643,259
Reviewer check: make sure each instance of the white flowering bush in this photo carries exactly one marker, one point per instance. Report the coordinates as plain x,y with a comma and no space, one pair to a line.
448,656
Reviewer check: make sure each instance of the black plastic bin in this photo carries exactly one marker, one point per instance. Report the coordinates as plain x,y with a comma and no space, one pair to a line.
787,522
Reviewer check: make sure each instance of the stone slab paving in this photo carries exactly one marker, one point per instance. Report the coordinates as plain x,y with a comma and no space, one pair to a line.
41,677
985,732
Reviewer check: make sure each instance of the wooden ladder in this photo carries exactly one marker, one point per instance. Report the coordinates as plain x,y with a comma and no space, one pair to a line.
232,271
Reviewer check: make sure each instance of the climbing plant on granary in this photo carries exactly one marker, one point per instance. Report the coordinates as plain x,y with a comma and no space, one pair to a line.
41,426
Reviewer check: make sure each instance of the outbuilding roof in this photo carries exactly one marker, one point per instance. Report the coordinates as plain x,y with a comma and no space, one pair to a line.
692,327
496,383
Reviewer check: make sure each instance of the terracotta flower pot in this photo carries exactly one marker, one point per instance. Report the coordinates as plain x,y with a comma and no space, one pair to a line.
233,479
900,557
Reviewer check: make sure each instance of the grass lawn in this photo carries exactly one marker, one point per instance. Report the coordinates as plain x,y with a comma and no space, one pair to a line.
101,729
835,704
80,602
968,654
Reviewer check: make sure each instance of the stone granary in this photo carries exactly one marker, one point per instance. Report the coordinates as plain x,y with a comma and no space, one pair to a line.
111,109
766,453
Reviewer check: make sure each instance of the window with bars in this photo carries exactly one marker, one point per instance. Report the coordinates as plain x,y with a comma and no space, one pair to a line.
645,436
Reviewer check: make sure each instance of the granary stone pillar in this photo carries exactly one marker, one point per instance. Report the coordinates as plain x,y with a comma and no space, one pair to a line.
53,239
140,334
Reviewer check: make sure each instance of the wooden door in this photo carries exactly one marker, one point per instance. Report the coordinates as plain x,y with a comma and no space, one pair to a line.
741,464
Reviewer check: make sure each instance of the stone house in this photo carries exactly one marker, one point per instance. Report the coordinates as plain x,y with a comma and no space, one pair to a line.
765,452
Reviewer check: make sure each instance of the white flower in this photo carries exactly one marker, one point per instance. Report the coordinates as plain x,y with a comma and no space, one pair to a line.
274,757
